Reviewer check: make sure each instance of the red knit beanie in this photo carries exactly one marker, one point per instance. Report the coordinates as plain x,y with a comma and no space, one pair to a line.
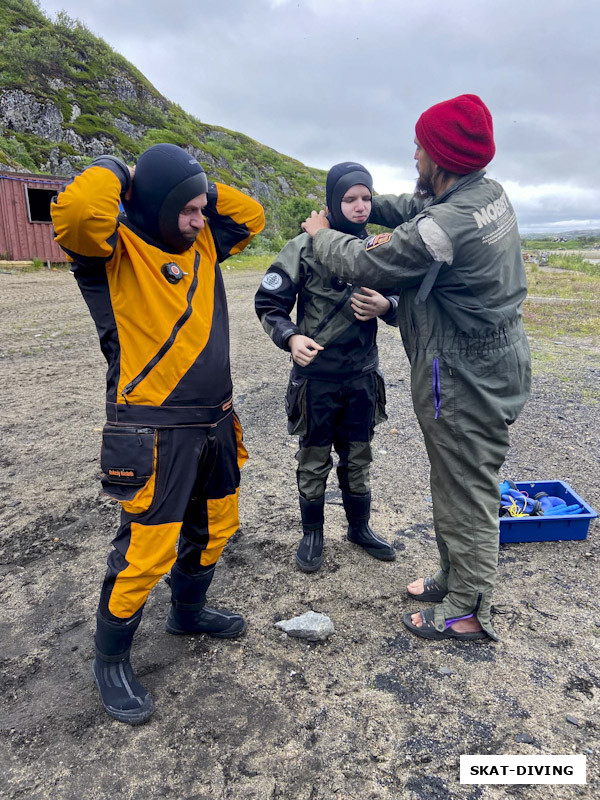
458,134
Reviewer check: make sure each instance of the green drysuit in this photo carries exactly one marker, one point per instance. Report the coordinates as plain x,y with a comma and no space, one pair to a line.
340,396
470,365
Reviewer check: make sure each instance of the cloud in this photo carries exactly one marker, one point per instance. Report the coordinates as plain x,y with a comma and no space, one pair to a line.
554,205
326,80
392,180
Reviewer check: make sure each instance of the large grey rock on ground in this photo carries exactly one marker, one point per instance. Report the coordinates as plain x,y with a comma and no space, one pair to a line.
311,626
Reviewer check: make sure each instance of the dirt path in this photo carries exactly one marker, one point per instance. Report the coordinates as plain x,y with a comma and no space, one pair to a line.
373,713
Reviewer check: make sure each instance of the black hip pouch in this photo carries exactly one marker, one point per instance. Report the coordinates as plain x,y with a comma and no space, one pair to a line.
127,455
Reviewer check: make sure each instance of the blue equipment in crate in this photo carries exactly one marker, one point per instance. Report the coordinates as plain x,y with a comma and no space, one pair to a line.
542,511
518,503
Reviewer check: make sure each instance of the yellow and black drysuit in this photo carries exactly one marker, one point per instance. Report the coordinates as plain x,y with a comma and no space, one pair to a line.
339,397
457,261
172,445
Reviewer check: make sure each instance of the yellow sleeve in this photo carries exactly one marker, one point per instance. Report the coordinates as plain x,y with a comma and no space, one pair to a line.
85,214
234,219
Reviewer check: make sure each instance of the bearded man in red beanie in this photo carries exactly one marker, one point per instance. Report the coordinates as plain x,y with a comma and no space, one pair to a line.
454,254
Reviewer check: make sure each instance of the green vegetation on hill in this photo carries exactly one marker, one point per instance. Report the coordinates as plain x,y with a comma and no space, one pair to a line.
552,243
76,81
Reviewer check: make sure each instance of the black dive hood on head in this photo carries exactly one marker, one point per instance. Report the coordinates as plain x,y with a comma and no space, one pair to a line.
339,179
166,178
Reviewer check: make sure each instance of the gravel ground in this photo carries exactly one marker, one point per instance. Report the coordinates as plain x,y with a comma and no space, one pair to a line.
373,713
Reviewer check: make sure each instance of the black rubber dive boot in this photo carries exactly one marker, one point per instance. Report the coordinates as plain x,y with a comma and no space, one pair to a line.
189,614
309,555
122,696
358,512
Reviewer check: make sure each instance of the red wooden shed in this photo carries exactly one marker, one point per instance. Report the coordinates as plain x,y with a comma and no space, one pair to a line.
26,230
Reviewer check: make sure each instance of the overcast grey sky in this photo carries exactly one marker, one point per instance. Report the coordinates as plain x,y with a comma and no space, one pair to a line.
334,80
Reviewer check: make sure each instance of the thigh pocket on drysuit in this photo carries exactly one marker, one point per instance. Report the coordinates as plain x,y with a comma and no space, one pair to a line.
295,406
380,398
128,463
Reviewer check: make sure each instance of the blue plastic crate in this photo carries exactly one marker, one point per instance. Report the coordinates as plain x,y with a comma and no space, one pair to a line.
547,529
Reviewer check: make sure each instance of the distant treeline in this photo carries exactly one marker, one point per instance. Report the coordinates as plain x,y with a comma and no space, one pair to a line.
556,243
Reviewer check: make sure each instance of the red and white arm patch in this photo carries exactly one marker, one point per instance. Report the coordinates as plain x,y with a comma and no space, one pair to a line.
375,241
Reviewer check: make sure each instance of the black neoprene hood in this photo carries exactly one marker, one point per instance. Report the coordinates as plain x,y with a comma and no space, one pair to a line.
339,179
166,178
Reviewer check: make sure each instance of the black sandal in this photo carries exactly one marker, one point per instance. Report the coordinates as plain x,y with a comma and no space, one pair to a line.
432,592
429,631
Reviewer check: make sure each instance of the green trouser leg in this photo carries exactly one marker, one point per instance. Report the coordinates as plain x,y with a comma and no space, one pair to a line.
314,466
465,495
441,576
467,445
354,467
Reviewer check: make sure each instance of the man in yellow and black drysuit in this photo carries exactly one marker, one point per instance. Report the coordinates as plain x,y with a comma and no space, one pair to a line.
172,445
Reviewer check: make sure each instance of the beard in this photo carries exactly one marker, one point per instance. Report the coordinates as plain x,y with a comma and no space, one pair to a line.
424,185
189,236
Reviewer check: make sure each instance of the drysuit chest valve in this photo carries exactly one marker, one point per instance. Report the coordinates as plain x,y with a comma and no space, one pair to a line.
172,272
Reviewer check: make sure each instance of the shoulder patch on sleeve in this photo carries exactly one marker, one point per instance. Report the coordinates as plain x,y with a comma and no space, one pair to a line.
375,241
272,281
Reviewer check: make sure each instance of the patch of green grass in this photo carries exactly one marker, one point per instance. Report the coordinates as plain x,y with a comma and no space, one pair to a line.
566,360
547,357
249,262
590,396
547,320
567,284
30,150
17,152
574,262
562,304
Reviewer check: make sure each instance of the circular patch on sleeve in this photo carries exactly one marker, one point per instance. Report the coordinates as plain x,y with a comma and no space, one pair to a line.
272,281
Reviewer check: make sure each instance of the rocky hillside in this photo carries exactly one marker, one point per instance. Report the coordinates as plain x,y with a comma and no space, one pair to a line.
66,97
